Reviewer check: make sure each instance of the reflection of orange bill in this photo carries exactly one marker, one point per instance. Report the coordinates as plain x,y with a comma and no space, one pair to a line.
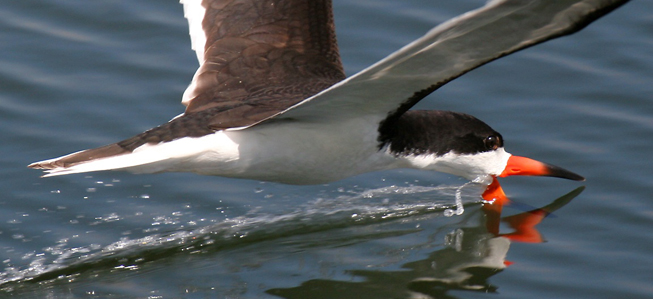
524,226
524,223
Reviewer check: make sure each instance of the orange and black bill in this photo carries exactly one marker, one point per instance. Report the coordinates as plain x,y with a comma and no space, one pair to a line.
525,166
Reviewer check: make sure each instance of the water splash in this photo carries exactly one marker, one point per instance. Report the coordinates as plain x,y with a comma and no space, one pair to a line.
350,208
459,203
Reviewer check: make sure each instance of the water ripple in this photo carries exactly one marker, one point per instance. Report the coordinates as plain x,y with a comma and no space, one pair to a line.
353,208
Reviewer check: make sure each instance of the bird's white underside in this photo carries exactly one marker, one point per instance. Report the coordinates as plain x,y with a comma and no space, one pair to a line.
291,153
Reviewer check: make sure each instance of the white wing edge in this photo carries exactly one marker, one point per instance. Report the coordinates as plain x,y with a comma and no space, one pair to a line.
194,12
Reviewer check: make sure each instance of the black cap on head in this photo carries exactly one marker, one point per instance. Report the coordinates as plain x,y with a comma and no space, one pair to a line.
419,132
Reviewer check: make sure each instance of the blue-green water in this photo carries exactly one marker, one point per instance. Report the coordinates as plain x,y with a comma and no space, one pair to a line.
79,74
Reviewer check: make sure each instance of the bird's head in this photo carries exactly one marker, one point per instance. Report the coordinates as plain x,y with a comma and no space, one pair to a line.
463,145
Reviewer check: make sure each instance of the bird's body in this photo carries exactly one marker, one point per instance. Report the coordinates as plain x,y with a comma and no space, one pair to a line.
284,152
292,154
270,100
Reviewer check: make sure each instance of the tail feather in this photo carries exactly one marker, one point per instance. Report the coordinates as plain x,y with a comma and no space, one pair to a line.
147,158
80,157
108,157
84,161
122,154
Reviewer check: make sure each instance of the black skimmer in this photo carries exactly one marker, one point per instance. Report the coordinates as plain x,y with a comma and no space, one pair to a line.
270,100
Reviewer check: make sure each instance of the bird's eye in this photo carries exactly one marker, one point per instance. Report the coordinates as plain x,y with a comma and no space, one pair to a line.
492,142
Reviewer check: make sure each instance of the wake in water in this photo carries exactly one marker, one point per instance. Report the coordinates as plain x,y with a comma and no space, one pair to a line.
350,208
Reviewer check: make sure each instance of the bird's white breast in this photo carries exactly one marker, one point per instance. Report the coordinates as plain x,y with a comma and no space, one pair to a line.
289,152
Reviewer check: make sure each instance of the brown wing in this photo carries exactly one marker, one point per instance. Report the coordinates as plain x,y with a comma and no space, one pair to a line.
261,57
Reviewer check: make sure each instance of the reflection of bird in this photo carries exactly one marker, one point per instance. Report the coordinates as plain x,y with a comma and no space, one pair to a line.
474,253
270,100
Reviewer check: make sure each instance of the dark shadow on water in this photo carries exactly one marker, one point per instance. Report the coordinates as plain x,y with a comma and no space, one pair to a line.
472,257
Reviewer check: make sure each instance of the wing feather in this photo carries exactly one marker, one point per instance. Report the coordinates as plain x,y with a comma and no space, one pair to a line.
391,86
258,57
